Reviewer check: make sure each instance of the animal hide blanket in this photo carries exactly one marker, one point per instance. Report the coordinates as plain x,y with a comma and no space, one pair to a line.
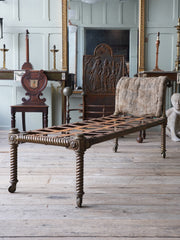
140,96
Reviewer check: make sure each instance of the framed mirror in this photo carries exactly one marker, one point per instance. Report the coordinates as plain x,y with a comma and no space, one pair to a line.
66,47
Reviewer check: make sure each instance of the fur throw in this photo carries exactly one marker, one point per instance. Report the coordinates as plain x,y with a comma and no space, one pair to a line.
140,96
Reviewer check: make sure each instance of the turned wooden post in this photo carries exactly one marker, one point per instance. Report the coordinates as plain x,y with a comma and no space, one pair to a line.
27,65
156,69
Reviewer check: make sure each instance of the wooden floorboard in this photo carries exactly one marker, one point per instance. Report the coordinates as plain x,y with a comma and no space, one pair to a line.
132,194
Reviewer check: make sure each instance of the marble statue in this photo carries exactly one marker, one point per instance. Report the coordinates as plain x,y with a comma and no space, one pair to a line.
173,118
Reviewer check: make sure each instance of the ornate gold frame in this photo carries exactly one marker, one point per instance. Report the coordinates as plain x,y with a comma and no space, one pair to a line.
141,34
65,35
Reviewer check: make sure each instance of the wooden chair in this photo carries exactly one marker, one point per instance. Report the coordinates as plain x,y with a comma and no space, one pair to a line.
34,82
101,72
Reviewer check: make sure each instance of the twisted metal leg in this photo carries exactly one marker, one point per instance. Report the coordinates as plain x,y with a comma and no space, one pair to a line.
163,140
80,171
13,161
79,178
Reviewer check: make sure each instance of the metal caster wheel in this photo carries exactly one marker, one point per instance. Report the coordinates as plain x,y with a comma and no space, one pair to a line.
139,139
163,155
79,202
115,148
12,188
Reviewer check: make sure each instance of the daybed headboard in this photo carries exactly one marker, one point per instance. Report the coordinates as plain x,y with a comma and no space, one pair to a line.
140,96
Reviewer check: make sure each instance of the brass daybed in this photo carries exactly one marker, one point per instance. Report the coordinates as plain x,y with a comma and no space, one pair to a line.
140,104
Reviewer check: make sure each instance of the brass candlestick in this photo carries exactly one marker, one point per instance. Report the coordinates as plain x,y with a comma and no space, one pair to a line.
177,62
54,51
4,50
157,52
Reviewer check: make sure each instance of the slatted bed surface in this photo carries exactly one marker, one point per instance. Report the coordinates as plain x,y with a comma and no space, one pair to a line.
94,130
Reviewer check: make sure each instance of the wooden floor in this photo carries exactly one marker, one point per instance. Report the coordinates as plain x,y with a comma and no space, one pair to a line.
132,194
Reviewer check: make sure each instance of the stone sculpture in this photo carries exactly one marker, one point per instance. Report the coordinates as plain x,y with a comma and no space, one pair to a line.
173,118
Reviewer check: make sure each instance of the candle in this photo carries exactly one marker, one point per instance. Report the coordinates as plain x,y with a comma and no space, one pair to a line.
158,36
178,21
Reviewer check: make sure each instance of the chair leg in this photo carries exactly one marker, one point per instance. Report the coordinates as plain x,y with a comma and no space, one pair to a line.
13,120
45,120
23,121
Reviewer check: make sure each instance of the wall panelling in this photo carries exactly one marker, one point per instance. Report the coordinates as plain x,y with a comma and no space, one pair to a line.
161,16
43,19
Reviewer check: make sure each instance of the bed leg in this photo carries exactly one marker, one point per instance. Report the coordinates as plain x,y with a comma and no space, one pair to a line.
13,160
140,137
163,140
80,170
115,148
144,134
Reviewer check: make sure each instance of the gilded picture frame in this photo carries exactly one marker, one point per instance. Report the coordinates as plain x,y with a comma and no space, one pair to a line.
64,36
141,35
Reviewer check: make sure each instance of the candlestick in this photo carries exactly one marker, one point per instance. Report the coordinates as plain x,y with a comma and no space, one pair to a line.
157,52
4,50
54,51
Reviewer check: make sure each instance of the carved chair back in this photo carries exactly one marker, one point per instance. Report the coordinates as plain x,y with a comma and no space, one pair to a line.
101,72
34,82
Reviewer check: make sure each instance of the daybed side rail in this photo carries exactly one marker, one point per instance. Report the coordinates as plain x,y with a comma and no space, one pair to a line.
142,125
94,131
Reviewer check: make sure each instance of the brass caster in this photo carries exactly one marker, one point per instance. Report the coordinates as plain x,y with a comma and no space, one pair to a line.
139,139
12,188
163,154
79,202
115,148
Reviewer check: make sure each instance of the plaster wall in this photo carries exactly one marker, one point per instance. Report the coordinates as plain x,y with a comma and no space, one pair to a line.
43,20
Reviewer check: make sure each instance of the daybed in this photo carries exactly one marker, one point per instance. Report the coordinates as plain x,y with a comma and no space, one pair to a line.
140,104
